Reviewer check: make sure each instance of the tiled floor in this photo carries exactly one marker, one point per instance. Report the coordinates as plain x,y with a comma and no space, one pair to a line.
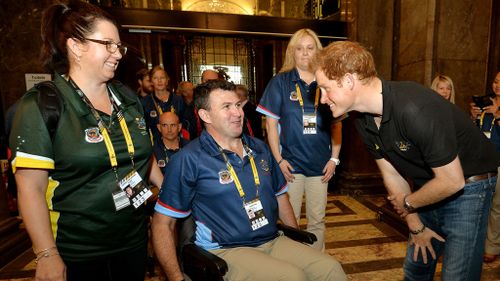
367,248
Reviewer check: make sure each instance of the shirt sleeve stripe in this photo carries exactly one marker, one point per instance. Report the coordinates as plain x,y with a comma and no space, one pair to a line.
26,160
54,215
167,210
266,112
282,190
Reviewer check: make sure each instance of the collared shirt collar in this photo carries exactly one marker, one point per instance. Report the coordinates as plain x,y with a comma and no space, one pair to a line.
296,78
387,102
210,146
74,99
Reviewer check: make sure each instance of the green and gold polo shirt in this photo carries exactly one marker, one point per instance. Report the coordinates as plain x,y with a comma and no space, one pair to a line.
84,221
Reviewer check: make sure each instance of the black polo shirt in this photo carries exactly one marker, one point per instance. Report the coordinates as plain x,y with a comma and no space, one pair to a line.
420,130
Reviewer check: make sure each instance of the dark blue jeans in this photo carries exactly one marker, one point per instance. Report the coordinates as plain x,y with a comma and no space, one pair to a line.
461,220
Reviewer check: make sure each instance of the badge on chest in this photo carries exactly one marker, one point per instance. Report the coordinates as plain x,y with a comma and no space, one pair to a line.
255,213
309,123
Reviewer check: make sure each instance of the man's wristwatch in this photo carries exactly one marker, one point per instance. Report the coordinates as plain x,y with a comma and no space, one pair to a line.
408,207
335,160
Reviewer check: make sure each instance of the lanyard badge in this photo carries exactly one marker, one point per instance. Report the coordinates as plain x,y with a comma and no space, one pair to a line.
253,208
135,188
309,120
309,124
255,213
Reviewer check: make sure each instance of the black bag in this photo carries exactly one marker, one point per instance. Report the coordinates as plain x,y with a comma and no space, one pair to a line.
50,105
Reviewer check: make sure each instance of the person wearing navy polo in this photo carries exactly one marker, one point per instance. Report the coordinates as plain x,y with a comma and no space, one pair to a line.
417,136
304,138
161,100
235,192
170,128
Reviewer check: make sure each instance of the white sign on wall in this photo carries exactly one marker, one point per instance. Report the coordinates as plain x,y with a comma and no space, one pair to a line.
33,78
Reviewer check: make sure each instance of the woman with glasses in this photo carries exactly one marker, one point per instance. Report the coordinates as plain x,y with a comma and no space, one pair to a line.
72,181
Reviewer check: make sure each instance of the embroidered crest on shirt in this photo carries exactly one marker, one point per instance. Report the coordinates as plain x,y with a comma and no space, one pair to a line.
403,145
93,135
294,96
153,114
161,163
141,123
264,165
225,177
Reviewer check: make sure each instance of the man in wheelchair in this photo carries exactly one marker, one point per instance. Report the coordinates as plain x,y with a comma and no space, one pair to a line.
235,192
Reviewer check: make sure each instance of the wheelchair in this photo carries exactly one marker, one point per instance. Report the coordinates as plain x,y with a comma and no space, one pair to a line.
201,265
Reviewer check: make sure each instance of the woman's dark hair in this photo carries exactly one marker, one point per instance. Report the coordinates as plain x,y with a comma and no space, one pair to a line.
63,21
202,92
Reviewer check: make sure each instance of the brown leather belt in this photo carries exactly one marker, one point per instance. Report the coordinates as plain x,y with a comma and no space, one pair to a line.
480,177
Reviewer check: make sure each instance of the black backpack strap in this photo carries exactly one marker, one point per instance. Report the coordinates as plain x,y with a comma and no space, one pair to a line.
50,105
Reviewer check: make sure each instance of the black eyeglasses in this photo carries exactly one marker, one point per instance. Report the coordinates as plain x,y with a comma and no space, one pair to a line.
110,46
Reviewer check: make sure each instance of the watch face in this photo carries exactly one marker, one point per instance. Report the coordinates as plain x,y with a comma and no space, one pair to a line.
407,206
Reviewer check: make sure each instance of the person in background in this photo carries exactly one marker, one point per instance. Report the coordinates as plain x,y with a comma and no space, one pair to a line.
81,223
488,119
145,85
415,135
222,74
160,101
252,125
235,199
185,90
209,74
443,85
304,138
170,129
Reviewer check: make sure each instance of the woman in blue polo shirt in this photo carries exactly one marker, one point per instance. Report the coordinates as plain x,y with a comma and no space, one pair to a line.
160,101
299,131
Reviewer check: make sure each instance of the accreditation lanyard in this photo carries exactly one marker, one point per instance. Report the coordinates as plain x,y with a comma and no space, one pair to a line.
166,154
157,106
104,131
481,122
235,176
165,150
301,101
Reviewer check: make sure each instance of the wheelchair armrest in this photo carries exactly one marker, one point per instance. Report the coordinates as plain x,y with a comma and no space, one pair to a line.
196,259
297,234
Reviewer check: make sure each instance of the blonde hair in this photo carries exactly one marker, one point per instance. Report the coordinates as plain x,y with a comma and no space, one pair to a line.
289,62
444,78
156,69
243,90
342,57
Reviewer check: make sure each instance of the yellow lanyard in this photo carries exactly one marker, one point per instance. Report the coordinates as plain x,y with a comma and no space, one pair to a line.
158,108
481,121
235,176
301,101
104,131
